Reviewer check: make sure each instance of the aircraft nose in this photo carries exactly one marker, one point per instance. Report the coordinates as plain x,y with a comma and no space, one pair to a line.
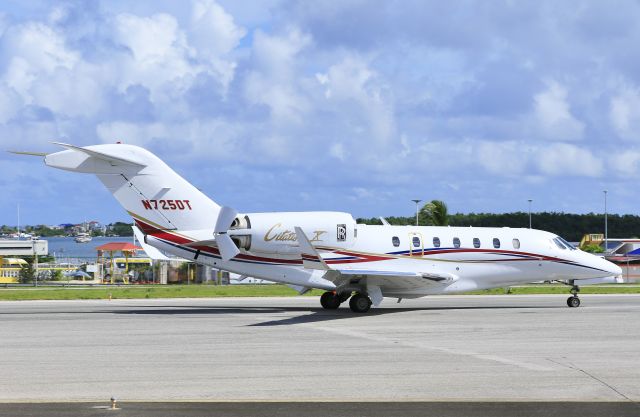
603,265
613,268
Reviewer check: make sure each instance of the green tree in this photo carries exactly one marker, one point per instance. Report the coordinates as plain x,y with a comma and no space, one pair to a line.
593,248
27,272
435,213
121,229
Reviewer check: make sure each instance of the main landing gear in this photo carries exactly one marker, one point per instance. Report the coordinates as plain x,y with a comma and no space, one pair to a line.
359,303
574,301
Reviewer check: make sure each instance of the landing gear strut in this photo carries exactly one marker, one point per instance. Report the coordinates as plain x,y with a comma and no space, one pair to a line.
574,301
360,303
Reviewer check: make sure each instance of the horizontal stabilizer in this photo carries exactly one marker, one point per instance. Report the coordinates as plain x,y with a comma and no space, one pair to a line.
111,159
42,154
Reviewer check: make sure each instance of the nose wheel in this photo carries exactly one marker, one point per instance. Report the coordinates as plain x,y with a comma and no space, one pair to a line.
574,301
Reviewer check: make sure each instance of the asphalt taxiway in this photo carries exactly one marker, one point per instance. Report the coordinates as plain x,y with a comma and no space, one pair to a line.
445,348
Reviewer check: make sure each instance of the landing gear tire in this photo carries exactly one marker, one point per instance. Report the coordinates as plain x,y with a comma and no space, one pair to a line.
360,303
573,301
329,301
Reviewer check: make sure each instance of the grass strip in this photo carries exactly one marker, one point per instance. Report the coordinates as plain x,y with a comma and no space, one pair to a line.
274,290
165,291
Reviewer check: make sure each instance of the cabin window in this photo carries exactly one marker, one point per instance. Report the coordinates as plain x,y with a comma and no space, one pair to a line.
396,241
496,243
516,243
436,242
416,242
476,242
456,242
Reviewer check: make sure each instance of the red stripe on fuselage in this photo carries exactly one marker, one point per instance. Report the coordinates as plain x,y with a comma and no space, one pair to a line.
360,257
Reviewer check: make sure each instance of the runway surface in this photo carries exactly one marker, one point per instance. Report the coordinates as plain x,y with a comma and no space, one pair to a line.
445,348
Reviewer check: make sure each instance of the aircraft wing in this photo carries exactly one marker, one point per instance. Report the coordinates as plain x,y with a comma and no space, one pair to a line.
311,259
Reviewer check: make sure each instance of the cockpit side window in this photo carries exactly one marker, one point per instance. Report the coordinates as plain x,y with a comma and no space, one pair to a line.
567,244
559,243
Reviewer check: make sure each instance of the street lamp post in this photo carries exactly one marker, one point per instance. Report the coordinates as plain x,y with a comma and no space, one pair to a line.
417,210
606,231
529,200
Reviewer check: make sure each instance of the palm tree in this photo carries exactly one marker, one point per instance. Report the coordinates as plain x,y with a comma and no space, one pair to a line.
435,213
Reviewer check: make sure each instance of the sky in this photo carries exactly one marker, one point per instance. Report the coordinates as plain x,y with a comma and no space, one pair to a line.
351,105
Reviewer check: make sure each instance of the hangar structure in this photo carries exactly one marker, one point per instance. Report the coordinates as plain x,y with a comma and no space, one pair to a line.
9,267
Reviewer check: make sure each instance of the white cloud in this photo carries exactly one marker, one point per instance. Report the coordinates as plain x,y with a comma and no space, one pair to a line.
258,93
624,113
213,34
337,151
626,163
355,86
213,31
159,54
513,158
274,80
563,159
503,158
31,52
10,103
553,113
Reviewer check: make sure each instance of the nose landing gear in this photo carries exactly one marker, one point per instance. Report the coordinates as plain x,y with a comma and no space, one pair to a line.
574,301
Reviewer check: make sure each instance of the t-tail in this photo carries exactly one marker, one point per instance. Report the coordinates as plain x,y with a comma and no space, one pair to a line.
148,189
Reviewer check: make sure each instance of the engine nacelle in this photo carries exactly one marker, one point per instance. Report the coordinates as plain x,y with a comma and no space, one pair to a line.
275,232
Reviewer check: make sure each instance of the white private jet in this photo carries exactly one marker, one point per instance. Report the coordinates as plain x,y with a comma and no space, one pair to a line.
326,250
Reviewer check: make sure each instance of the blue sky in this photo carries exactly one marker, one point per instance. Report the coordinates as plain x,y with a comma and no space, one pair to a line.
347,105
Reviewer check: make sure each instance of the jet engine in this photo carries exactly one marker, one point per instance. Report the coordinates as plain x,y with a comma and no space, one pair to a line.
275,232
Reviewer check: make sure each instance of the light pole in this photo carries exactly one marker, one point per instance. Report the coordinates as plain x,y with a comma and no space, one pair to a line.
606,232
417,211
529,200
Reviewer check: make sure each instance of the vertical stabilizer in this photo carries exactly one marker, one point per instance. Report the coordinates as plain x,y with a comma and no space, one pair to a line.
148,189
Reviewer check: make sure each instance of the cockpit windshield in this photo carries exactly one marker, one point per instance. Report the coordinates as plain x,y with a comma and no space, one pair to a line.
563,244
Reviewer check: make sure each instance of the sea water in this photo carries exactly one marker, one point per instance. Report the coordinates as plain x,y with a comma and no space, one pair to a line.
66,247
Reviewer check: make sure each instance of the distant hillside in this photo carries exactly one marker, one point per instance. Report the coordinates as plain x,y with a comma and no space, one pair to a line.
570,226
